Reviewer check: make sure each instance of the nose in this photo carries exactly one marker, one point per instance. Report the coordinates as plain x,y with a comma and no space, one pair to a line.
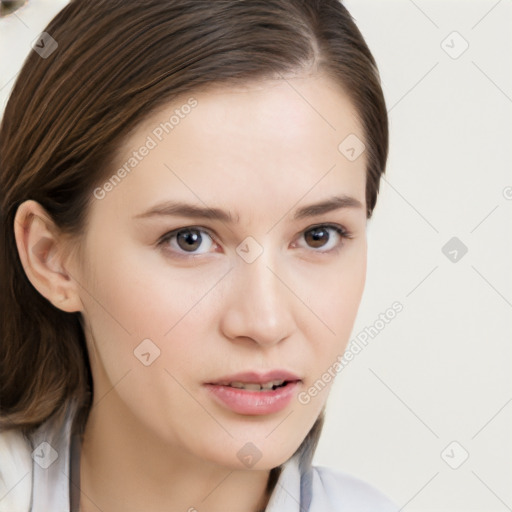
258,307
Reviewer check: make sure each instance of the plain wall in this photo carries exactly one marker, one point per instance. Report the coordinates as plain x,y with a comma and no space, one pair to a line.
440,371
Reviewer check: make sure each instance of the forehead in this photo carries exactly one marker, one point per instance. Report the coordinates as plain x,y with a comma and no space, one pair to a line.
240,145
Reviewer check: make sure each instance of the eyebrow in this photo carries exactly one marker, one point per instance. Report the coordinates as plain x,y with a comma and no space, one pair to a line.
171,208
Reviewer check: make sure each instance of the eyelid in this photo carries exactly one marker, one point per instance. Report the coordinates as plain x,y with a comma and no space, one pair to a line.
338,227
172,232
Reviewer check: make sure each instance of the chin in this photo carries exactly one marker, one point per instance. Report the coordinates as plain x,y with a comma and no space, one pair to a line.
261,453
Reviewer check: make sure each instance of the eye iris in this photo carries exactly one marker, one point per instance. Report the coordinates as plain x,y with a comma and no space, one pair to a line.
189,240
317,237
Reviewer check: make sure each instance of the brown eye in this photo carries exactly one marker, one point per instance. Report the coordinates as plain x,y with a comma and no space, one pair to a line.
317,237
325,237
189,239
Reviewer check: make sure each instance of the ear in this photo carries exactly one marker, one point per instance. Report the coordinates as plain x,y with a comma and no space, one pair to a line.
42,252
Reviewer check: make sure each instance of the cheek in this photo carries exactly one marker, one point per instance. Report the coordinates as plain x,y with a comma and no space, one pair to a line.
129,300
337,307
333,294
149,324
350,290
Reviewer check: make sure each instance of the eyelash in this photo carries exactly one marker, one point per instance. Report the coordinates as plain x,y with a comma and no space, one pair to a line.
340,230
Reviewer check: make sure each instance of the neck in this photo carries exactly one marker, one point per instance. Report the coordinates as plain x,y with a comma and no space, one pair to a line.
125,468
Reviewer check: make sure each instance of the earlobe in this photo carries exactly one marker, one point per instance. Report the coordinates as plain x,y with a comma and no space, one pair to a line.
41,251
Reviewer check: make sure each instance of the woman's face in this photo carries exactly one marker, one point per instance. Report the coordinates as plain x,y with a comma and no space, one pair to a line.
239,276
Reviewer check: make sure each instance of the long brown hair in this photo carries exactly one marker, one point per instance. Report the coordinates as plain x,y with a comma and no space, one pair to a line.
116,62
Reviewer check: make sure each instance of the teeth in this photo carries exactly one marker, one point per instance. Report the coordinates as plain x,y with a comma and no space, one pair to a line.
256,387
252,387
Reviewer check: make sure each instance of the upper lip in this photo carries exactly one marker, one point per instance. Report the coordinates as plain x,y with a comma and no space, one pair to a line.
255,377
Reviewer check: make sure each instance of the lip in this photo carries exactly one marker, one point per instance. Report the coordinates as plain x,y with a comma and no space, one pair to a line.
254,377
254,403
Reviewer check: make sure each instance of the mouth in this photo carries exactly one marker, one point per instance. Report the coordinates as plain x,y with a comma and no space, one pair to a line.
253,393
255,386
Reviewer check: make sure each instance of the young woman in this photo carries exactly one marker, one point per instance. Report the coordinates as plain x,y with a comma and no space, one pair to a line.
185,190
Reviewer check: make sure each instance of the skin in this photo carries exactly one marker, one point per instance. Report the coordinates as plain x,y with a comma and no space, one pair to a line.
155,440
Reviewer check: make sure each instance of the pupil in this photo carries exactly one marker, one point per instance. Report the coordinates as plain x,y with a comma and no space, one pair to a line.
189,240
317,237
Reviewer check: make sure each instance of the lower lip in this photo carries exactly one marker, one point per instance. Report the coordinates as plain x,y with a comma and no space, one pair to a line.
242,401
